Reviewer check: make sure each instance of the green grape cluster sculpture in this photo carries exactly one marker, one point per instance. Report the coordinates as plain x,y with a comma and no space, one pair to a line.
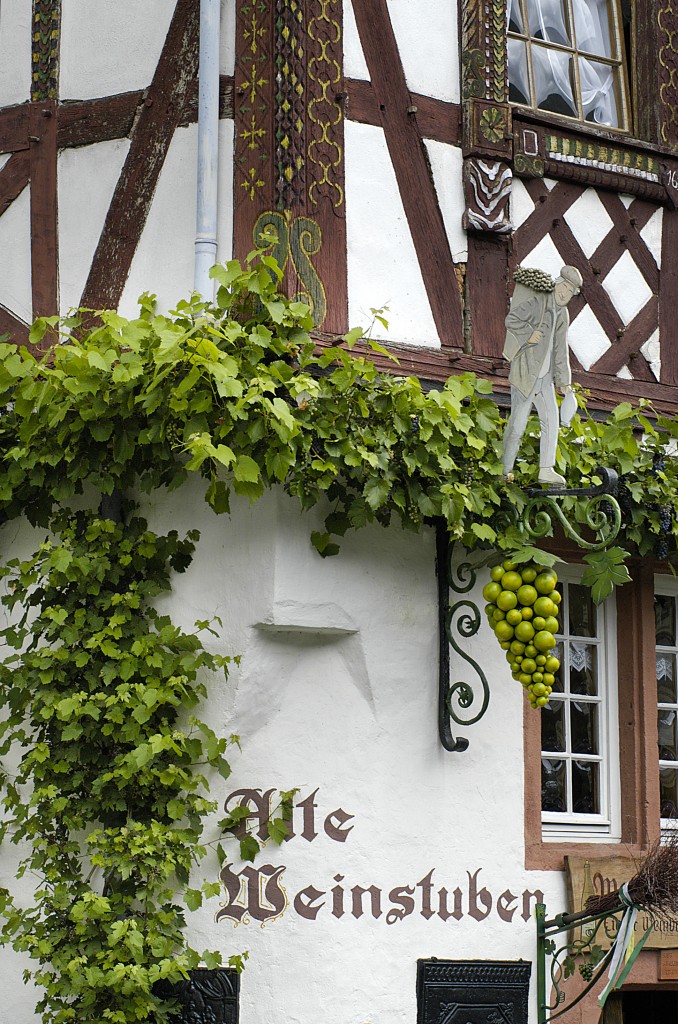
522,609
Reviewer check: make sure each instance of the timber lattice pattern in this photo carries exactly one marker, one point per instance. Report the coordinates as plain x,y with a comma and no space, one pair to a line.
45,49
623,239
290,103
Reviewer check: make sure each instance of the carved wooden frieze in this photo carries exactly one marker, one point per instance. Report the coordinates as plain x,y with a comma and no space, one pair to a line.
487,190
483,50
289,153
609,163
668,73
45,56
472,992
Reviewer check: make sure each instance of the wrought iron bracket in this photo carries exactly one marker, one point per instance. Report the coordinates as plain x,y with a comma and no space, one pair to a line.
601,512
457,701
582,931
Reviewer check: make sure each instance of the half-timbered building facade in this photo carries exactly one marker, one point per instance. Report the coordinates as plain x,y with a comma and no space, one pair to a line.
408,155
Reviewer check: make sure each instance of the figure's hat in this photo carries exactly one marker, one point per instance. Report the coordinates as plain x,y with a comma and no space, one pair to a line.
573,278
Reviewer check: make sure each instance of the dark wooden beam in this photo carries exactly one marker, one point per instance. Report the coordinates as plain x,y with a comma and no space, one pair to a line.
84,122
12,325
630,339
408,154
159,117
189,115
487,280
629,238
14,177
44,234
14,129
668,299
437,119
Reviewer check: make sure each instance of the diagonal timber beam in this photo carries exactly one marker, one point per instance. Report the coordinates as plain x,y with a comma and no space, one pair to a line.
160,115
410,163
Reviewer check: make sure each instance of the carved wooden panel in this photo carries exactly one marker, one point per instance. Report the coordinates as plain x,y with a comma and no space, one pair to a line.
487,190
472,992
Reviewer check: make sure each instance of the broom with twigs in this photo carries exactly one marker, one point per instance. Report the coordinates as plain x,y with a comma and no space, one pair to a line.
653,889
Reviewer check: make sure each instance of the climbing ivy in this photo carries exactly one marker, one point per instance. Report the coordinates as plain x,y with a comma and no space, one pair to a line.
107,765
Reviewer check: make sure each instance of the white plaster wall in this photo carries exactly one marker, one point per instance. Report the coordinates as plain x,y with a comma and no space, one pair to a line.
337,692
383,269
90,171
354,60
110,46
227,37
427,37
446,167
164,259
15,257
15,51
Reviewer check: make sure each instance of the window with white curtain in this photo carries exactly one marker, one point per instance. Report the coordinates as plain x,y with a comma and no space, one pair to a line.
568,57
579,734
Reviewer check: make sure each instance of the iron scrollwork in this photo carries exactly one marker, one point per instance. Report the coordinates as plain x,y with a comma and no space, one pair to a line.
601,512
583,947
457,701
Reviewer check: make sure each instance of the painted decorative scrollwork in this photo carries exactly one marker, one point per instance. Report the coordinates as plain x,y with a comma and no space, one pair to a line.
299,239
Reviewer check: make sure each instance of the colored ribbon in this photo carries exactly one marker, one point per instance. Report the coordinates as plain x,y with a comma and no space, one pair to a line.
625,947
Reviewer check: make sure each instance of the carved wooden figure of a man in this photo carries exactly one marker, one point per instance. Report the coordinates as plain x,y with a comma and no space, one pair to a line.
536,346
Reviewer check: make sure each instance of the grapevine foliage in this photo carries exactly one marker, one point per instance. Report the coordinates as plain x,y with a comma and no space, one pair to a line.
105,759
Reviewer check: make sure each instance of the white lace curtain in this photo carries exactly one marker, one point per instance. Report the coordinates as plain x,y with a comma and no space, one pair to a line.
551,68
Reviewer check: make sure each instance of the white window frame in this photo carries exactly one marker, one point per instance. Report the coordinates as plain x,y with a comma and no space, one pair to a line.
667,586
559,826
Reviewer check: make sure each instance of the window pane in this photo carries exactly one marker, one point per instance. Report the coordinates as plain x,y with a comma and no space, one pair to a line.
558,653
553,785
585,787
666,679
584,719
598,92
553,726
666,721
668,792
583,673
665,620
547,21
553,81
582,611
592,26
515,17
519,81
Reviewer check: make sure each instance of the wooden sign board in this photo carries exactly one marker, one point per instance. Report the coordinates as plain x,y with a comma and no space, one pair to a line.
668,965
604,876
